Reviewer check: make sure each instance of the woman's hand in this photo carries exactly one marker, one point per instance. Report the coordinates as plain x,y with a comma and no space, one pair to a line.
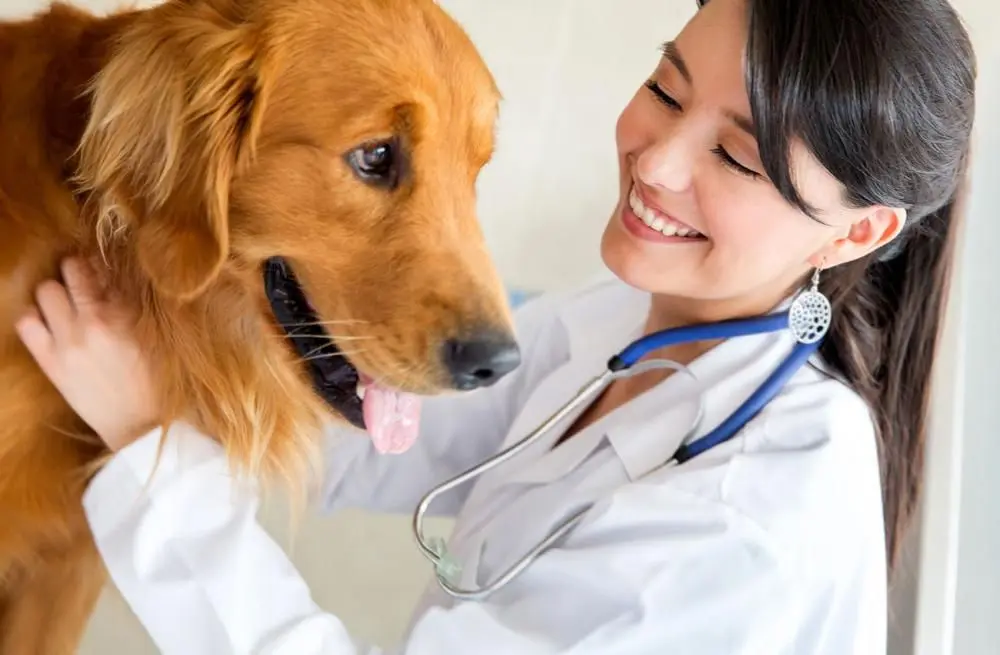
82,338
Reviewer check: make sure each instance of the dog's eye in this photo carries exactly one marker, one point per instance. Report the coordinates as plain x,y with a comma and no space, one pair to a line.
378,157
375,163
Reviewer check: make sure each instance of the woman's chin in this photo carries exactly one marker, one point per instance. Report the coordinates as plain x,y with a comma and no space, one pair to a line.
637,267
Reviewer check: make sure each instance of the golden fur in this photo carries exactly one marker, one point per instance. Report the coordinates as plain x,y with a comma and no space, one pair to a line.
183,145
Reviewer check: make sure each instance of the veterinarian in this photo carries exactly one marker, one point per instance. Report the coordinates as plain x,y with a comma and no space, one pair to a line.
774,142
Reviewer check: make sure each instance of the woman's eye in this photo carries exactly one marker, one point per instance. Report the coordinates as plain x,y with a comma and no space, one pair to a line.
375,163
661,95
728,160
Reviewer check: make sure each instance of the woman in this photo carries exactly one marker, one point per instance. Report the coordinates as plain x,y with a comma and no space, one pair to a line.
774,139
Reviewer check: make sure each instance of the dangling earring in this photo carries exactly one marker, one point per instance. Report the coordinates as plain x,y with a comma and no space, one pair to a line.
810,315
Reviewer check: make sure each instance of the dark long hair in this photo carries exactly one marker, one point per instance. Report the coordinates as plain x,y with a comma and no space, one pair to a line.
882,93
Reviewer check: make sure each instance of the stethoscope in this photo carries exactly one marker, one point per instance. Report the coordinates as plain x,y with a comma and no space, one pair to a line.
808,318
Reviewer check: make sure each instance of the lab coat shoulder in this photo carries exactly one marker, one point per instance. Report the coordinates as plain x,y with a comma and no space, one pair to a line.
457,430
775,546
817,448
809,479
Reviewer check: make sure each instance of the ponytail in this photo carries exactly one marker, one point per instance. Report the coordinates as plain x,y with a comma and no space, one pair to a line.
883,340
882,94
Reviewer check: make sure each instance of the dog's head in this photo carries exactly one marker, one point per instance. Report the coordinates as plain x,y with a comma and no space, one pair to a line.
332,146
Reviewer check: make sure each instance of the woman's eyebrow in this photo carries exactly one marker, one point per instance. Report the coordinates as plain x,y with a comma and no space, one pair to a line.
673,55
743,123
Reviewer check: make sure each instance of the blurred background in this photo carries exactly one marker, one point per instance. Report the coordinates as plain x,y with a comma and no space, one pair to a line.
566,68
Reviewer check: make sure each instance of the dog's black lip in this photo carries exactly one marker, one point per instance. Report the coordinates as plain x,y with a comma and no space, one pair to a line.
334,378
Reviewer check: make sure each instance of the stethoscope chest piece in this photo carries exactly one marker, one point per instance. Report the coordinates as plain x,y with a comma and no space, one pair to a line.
446,567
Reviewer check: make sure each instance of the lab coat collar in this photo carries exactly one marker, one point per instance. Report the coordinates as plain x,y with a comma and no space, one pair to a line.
724,377
597,324
647,432
540,463
661,420
592,325
603,319
650,429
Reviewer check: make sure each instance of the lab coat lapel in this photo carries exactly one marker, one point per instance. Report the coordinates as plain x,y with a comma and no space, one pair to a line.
556,390
724,378
590,354
649,429
592,328
489,496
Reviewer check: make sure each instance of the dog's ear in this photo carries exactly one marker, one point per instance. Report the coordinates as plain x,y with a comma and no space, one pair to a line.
174,116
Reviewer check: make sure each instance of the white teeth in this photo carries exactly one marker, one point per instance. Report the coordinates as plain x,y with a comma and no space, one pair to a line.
360,390
657,222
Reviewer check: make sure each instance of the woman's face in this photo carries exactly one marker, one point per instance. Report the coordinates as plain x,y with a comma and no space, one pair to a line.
697,219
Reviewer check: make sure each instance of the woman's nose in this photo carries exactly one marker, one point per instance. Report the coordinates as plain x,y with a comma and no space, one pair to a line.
667,163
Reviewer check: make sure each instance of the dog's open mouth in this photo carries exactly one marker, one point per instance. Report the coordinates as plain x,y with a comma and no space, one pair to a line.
390,417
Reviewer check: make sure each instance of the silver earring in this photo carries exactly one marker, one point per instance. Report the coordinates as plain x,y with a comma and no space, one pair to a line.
810,314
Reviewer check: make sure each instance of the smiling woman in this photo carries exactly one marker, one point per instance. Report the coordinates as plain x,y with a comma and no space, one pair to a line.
833,151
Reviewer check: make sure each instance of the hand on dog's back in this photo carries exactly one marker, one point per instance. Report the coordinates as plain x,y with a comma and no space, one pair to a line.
82,339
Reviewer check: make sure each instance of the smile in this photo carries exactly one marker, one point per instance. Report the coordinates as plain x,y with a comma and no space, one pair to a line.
658,222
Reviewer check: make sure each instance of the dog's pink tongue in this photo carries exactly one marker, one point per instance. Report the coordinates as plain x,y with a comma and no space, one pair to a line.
392,418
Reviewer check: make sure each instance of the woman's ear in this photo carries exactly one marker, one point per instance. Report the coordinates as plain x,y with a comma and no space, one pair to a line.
175,114
876,229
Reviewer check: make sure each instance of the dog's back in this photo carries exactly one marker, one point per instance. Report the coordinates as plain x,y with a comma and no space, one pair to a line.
43,445
45,64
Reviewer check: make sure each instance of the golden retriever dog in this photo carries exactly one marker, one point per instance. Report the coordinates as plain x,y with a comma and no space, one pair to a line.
285,190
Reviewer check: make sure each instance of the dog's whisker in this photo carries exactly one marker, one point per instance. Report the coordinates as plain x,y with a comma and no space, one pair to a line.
356,351
292,331
324,345
335,337
347,321
314,358
317,350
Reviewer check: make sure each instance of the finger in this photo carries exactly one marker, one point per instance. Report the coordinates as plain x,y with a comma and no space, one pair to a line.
56,309
82,284
101,273
36,337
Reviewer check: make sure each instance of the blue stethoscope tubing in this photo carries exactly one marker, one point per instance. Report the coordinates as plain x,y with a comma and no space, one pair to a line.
724,330
627,362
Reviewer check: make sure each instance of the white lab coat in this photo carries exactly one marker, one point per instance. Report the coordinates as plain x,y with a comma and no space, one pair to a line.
771,543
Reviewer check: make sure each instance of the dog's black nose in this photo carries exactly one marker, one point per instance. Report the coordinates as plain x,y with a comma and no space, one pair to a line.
481,360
